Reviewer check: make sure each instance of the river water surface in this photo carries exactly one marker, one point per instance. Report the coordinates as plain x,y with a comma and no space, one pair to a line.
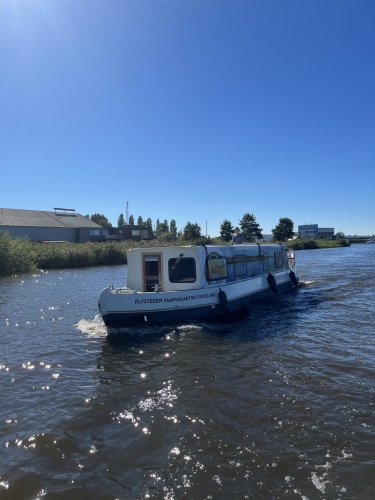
279,405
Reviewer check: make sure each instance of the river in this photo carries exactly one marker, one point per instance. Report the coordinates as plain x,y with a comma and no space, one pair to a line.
278,405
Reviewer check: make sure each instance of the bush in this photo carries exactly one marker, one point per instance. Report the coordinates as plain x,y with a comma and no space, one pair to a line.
70,255
16,255
300,244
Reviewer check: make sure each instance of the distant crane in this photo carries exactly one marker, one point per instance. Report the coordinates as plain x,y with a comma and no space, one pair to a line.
127,214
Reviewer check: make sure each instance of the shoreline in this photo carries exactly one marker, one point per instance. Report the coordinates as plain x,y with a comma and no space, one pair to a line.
19,256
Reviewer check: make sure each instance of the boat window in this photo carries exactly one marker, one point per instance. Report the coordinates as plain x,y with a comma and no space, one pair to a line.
151,266
182,270
278,259
265,262
239,266
253,265
216,267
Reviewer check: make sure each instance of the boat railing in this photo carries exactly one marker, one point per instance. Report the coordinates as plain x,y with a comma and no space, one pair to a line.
123,290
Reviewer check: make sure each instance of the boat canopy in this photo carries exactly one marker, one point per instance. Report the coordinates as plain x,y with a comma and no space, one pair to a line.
194,267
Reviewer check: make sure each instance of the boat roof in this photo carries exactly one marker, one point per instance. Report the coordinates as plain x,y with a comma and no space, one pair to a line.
220,249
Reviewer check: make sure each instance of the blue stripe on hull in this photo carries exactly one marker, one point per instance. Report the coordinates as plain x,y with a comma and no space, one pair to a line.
235,307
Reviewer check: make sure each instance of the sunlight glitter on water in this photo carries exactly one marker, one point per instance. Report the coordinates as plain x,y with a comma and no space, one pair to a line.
158,401
279,405
163,397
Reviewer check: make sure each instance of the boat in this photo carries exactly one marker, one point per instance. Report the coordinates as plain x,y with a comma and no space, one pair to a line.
182,283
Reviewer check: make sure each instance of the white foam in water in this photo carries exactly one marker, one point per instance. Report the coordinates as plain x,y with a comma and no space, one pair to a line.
305,283
93,328
188,327
318,482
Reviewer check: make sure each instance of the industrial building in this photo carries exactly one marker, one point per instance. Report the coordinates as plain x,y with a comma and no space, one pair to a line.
63,224
130,232
312,231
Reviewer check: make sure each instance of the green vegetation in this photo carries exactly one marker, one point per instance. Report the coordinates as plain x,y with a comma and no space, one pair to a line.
120,221
250,228
284,229
226,230
24,256
101,220
16,255
70,255
192,232
299,244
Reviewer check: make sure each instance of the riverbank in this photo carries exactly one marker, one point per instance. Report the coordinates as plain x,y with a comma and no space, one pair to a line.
315,244
23,256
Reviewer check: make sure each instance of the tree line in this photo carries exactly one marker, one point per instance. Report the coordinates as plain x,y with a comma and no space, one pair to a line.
252,231
167,231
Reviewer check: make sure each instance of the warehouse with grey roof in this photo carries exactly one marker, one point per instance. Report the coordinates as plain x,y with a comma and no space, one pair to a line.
63,224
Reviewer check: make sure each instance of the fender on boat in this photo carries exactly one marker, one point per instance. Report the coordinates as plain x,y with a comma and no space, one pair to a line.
272,282
223,301
293,278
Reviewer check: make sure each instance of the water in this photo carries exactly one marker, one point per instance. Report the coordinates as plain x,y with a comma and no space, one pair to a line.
279,405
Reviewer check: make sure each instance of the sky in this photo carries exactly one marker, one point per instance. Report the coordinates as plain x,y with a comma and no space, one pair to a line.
192,110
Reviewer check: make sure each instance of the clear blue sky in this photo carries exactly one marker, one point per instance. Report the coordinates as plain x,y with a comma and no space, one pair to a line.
193,110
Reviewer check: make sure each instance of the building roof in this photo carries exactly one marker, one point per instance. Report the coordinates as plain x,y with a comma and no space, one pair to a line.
40,218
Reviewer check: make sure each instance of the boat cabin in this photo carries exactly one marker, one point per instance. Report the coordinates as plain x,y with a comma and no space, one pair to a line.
194,267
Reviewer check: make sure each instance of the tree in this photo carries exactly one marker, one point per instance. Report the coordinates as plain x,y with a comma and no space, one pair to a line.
340,236
121,221
173,229
192,231
284,229
226,229
148,225
162,228
131,220
250,228
101,220
140,221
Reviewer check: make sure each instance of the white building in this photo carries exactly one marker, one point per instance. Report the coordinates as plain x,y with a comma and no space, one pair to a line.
314,232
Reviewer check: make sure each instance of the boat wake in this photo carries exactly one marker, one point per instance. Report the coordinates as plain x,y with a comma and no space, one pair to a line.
152,330
92,327
97,329
305,284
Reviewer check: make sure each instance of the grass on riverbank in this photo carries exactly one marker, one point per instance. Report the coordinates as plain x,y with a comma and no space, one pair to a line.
16,255
23,256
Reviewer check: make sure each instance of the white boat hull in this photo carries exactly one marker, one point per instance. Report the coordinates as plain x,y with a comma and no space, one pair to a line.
125,307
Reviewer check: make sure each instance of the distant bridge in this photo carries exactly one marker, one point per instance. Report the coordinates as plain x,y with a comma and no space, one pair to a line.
358,239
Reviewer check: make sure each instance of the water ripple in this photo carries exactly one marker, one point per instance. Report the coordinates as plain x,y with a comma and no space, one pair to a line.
277,405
